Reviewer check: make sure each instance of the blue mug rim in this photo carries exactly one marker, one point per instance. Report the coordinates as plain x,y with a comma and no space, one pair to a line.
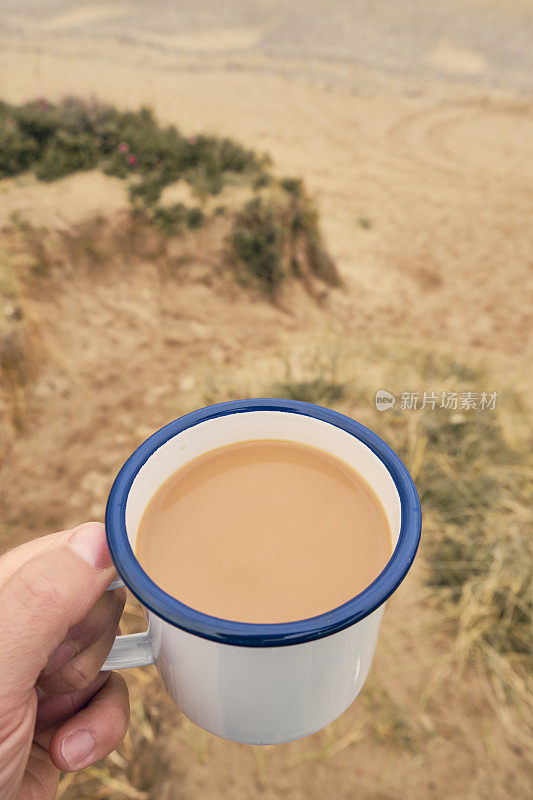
263,634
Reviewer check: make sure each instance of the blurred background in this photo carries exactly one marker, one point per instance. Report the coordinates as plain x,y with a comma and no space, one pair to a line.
316,200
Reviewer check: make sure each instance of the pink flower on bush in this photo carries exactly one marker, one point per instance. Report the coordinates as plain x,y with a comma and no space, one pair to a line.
43,102
132,160
192,139
123,147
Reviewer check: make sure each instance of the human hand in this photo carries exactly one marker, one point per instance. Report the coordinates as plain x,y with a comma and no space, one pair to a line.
57,625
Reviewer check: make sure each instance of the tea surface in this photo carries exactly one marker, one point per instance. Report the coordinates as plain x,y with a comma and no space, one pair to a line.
264,531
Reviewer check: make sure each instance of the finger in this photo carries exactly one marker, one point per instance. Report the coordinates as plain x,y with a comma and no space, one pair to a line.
11,560
104,615
79,658
52,711
43,599
41,778
95,731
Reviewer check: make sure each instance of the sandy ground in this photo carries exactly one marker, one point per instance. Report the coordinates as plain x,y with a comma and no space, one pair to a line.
489,42
424,186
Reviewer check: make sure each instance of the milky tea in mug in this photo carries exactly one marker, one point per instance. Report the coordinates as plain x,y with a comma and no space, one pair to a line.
264,531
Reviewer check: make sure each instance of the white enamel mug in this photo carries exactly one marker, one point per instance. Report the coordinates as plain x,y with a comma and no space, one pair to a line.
258,683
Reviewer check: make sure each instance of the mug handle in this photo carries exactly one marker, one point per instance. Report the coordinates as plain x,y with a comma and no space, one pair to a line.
131,649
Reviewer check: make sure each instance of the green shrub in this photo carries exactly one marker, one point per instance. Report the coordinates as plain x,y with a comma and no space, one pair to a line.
170,219
55,139
205,180
293,186
317,390
147,190
194,218
38,119
224,155
261,181
173,219
18,151
257,240
66,153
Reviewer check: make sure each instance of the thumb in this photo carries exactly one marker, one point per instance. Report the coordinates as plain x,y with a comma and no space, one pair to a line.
45,597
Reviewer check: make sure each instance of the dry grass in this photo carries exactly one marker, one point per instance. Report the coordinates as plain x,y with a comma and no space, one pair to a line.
315,380
18,352
334,740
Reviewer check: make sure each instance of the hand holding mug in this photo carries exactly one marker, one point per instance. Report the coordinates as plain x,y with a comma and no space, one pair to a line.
58,711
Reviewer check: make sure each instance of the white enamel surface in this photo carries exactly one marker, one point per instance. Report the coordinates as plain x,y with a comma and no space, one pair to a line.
260,695
264,695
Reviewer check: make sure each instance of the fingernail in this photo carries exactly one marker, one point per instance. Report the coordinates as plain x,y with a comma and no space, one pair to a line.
60,656
76,748
89,542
